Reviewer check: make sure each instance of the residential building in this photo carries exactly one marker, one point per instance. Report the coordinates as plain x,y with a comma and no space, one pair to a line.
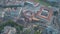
45,13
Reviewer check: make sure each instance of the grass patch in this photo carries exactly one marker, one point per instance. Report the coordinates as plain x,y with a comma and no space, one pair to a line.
42,2
36,0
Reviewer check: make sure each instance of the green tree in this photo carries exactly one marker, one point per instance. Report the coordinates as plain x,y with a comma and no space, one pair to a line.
12,24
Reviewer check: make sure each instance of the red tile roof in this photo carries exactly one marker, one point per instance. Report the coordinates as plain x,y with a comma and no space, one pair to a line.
39,14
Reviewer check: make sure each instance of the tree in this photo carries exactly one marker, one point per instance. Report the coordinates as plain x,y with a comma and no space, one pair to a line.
12,24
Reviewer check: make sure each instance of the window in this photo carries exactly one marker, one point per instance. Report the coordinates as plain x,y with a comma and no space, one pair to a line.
28,13
44,12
